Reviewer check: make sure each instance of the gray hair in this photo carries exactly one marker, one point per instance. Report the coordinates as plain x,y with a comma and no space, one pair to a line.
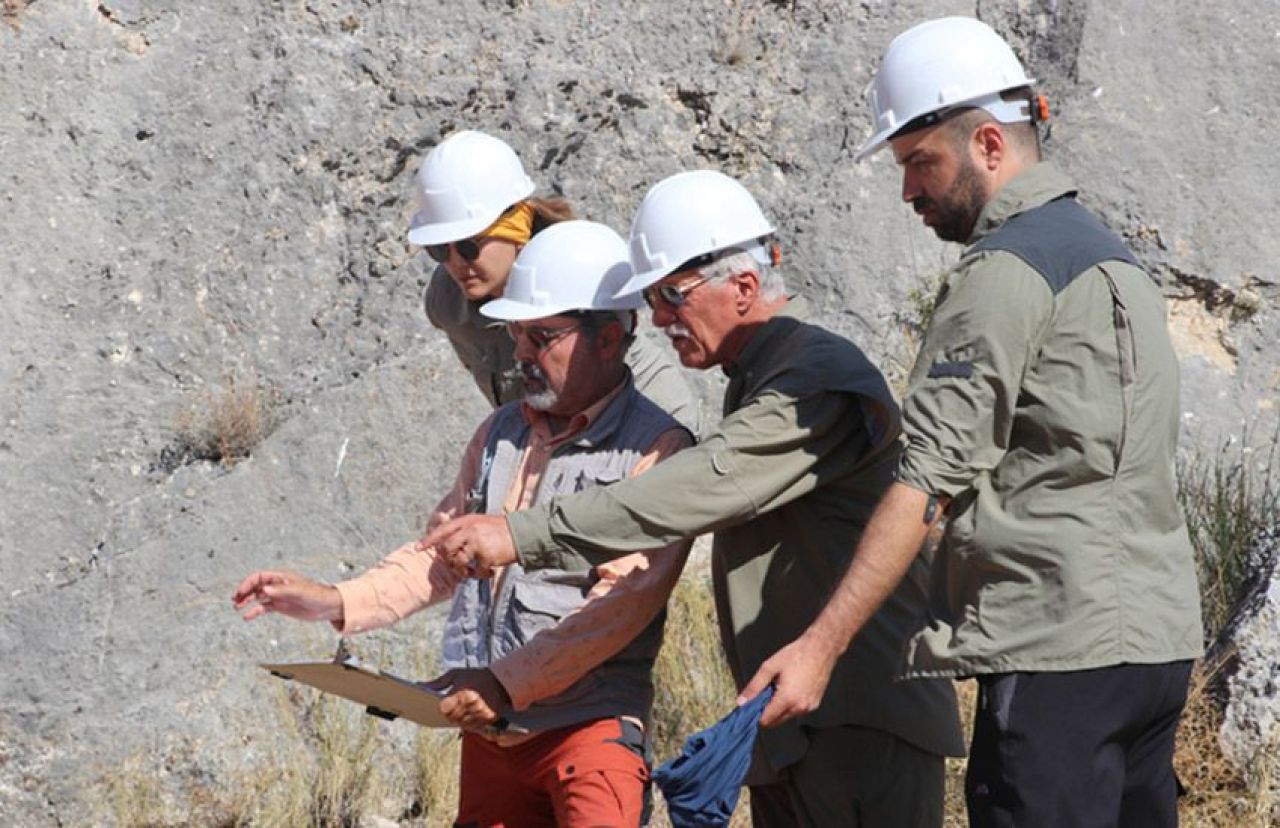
771,284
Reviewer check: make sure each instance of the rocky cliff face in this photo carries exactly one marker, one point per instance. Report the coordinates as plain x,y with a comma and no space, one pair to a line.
203,210
1247,655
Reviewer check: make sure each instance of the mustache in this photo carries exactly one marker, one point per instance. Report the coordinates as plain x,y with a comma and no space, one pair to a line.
921,204
675,329
524,371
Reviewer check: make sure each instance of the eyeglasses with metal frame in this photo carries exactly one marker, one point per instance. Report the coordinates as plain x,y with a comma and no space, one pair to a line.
672,295
540,338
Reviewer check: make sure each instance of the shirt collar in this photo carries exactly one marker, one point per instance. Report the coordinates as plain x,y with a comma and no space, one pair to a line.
579,423
1036,185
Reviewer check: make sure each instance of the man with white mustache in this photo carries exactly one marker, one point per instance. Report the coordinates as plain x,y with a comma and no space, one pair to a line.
786,481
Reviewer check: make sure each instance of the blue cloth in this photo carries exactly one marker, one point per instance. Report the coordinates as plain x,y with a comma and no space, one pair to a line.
701,784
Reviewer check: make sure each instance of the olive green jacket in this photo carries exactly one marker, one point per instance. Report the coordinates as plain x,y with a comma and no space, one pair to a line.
487,352
786,481
1044,402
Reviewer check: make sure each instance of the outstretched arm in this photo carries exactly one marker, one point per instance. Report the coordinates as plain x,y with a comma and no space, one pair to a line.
287,593
768,453
401,583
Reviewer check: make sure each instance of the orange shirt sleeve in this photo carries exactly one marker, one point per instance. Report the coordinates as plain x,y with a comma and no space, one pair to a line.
406,580
629,594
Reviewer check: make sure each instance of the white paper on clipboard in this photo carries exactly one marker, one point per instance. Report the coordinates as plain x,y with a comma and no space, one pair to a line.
382,694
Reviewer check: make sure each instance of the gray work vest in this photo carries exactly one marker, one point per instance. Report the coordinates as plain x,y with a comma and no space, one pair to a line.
485,624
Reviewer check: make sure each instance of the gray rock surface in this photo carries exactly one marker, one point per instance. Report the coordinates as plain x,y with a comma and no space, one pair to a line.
1249,650
195,196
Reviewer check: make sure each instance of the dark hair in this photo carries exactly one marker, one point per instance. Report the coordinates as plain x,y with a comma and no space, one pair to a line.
1025,136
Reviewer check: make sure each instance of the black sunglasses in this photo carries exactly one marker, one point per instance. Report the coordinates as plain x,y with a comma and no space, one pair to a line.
468,249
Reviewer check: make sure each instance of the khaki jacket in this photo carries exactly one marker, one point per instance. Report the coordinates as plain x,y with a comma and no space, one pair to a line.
1044,402
786,481
487,352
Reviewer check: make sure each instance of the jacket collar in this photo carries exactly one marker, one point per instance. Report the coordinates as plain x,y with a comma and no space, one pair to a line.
796,309
1038,184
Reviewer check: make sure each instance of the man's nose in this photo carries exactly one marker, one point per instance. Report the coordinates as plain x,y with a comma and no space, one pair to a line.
909,188
525,352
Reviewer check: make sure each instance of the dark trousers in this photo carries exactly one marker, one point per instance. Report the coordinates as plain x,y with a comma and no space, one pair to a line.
854,777
1088,748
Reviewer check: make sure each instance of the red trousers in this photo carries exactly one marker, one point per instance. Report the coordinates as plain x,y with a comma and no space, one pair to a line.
585,776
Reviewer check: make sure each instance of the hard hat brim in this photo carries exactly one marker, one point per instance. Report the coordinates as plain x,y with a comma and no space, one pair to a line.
510,310
424,234
873,145
751,246
639,282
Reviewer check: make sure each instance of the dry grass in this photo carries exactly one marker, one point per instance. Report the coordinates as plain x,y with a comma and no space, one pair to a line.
225,424
693,686
1217,795
10,10
134,796
966,695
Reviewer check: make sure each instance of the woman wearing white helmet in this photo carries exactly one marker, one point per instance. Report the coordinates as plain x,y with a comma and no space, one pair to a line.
476,209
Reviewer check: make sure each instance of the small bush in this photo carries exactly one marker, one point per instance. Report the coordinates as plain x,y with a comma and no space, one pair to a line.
224,425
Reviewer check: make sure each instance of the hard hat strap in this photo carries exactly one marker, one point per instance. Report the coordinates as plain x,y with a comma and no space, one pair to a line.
1006,112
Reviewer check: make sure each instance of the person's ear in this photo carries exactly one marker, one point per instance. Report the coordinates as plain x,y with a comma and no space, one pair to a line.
609,339
990,144
746,289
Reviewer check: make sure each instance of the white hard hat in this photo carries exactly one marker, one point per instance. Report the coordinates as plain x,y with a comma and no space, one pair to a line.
571,265
940,65
690,214
463,185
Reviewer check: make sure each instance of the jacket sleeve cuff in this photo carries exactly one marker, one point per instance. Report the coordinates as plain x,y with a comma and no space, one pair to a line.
931,475
357,598
531,535
518,690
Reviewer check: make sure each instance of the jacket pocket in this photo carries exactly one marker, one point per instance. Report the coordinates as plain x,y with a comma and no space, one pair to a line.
1126,354
537,605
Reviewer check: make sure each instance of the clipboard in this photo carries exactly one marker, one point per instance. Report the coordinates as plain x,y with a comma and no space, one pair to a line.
383,695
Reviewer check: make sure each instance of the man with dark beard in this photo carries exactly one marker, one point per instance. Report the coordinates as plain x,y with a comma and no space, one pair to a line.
549,672
1041,417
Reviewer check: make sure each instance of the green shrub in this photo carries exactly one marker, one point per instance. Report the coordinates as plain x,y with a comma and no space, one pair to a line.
1228,497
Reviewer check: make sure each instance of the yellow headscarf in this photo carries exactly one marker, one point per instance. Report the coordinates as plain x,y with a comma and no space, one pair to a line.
515,225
